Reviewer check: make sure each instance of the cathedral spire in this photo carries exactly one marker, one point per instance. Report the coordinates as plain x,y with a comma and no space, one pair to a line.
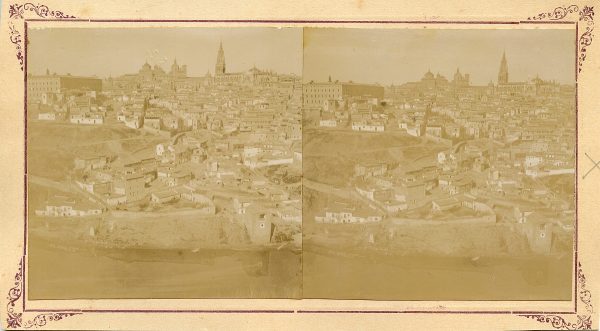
220,65
503,72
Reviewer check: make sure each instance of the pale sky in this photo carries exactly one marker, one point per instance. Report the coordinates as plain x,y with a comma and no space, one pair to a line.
117,51
384,56
397,56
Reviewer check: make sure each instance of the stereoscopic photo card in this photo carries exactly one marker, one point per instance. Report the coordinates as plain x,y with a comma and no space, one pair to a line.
201,165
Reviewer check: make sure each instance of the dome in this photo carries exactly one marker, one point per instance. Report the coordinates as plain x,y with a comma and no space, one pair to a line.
428,75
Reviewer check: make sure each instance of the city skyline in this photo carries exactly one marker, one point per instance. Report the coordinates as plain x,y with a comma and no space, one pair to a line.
274,49
315,58
382,57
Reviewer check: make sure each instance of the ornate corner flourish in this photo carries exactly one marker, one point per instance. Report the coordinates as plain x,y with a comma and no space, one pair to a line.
19,11
15,38
583,321
586,16
15,318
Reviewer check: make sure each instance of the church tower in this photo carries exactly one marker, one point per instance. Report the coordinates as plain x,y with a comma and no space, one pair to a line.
503,73
220,66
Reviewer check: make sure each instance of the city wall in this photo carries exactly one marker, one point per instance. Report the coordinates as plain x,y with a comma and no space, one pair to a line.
149,214
486,219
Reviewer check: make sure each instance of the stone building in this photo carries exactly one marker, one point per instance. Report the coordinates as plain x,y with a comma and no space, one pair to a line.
38,86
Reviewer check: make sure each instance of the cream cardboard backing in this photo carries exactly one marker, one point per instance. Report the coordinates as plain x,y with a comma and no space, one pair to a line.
307,313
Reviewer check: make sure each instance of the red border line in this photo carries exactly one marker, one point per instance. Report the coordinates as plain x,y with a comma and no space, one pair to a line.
576,229
427,312
295,21
25,192
224,311
294,311
548,22
307,311
279,21
25,132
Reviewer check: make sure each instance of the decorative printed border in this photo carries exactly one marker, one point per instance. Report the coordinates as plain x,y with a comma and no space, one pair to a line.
586,15
584,321
18,11
15,38
14,317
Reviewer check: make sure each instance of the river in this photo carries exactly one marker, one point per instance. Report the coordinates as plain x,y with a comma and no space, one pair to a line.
384,277
59,270
62,270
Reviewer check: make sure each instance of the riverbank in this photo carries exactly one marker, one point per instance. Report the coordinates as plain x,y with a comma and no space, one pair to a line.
440,239
170,232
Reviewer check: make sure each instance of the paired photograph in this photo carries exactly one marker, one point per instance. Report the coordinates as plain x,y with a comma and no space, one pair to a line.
396,164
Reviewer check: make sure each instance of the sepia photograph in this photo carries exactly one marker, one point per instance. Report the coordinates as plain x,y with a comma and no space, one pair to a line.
439,164
376,164
164,162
